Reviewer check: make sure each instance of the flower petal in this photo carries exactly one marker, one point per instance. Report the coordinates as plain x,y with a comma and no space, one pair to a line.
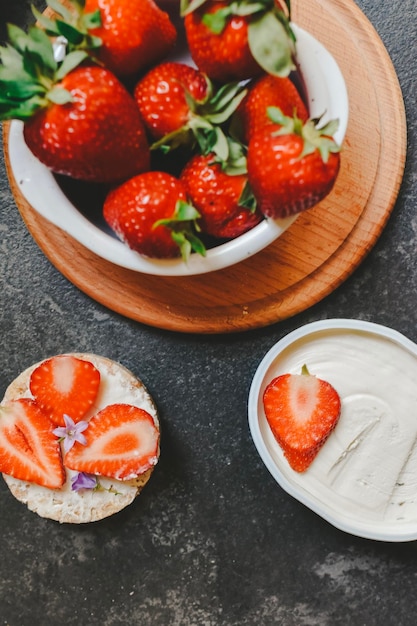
60,432
83,481
69,422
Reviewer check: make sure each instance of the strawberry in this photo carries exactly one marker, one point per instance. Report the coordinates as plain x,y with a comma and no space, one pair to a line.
79,120
65,385
163,93
28,449
150,214
178,105
122,442
302,411
135,34
127,36
221,198
238,40
268,91
291,166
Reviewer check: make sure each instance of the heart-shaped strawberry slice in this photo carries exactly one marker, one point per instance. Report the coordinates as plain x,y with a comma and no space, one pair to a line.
65,385
302,411
28,449
122,442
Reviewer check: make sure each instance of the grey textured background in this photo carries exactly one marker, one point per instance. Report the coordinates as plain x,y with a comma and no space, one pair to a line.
212,541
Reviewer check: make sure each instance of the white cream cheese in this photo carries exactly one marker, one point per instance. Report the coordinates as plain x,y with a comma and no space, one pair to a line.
366,472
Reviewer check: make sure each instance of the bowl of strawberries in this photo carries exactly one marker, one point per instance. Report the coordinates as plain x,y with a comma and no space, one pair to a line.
172,138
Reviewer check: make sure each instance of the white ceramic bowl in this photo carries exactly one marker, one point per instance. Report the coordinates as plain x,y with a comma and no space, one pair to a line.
327,96
364,478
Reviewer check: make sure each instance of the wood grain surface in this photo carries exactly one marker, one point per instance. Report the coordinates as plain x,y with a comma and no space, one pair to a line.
319,251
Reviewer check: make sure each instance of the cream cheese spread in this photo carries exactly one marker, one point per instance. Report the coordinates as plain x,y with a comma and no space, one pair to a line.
367,469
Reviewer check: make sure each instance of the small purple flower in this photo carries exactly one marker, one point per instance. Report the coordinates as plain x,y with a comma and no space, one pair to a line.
71,432
83,481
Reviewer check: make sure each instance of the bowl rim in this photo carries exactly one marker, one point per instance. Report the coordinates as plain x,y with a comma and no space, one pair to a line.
38,186
357,527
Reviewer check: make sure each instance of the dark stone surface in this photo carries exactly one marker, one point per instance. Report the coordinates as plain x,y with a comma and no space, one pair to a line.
213,540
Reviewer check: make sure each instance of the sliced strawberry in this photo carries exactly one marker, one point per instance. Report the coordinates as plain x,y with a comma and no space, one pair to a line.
302,411
28,449
66,385
122,442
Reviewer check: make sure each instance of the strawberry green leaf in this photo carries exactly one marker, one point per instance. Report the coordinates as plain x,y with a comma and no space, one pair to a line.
196,244
271,45
224,103
330,128
59,8
72,34
216,21
9,57
73,24
20,110
71,61
91,20
29,72
57,95
250,8
17,37
19,90
41,46
188,6
183,244
185,211
247,200
220,145
288,124
182,226
233,160
236,164
203,125
48,24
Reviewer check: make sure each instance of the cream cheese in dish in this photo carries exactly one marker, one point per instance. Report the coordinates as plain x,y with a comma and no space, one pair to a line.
364,479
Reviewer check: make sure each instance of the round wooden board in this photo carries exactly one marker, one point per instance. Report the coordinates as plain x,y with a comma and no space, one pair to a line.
320,250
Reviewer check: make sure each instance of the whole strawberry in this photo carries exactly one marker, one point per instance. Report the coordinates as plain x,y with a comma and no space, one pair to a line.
267,91
151,215
291,166
165,95
127,36
79,120
135,34
179,105
221,198
239,40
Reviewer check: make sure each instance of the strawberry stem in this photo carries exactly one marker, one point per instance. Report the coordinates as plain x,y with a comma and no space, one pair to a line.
314,137
205,119
29,73
183,226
